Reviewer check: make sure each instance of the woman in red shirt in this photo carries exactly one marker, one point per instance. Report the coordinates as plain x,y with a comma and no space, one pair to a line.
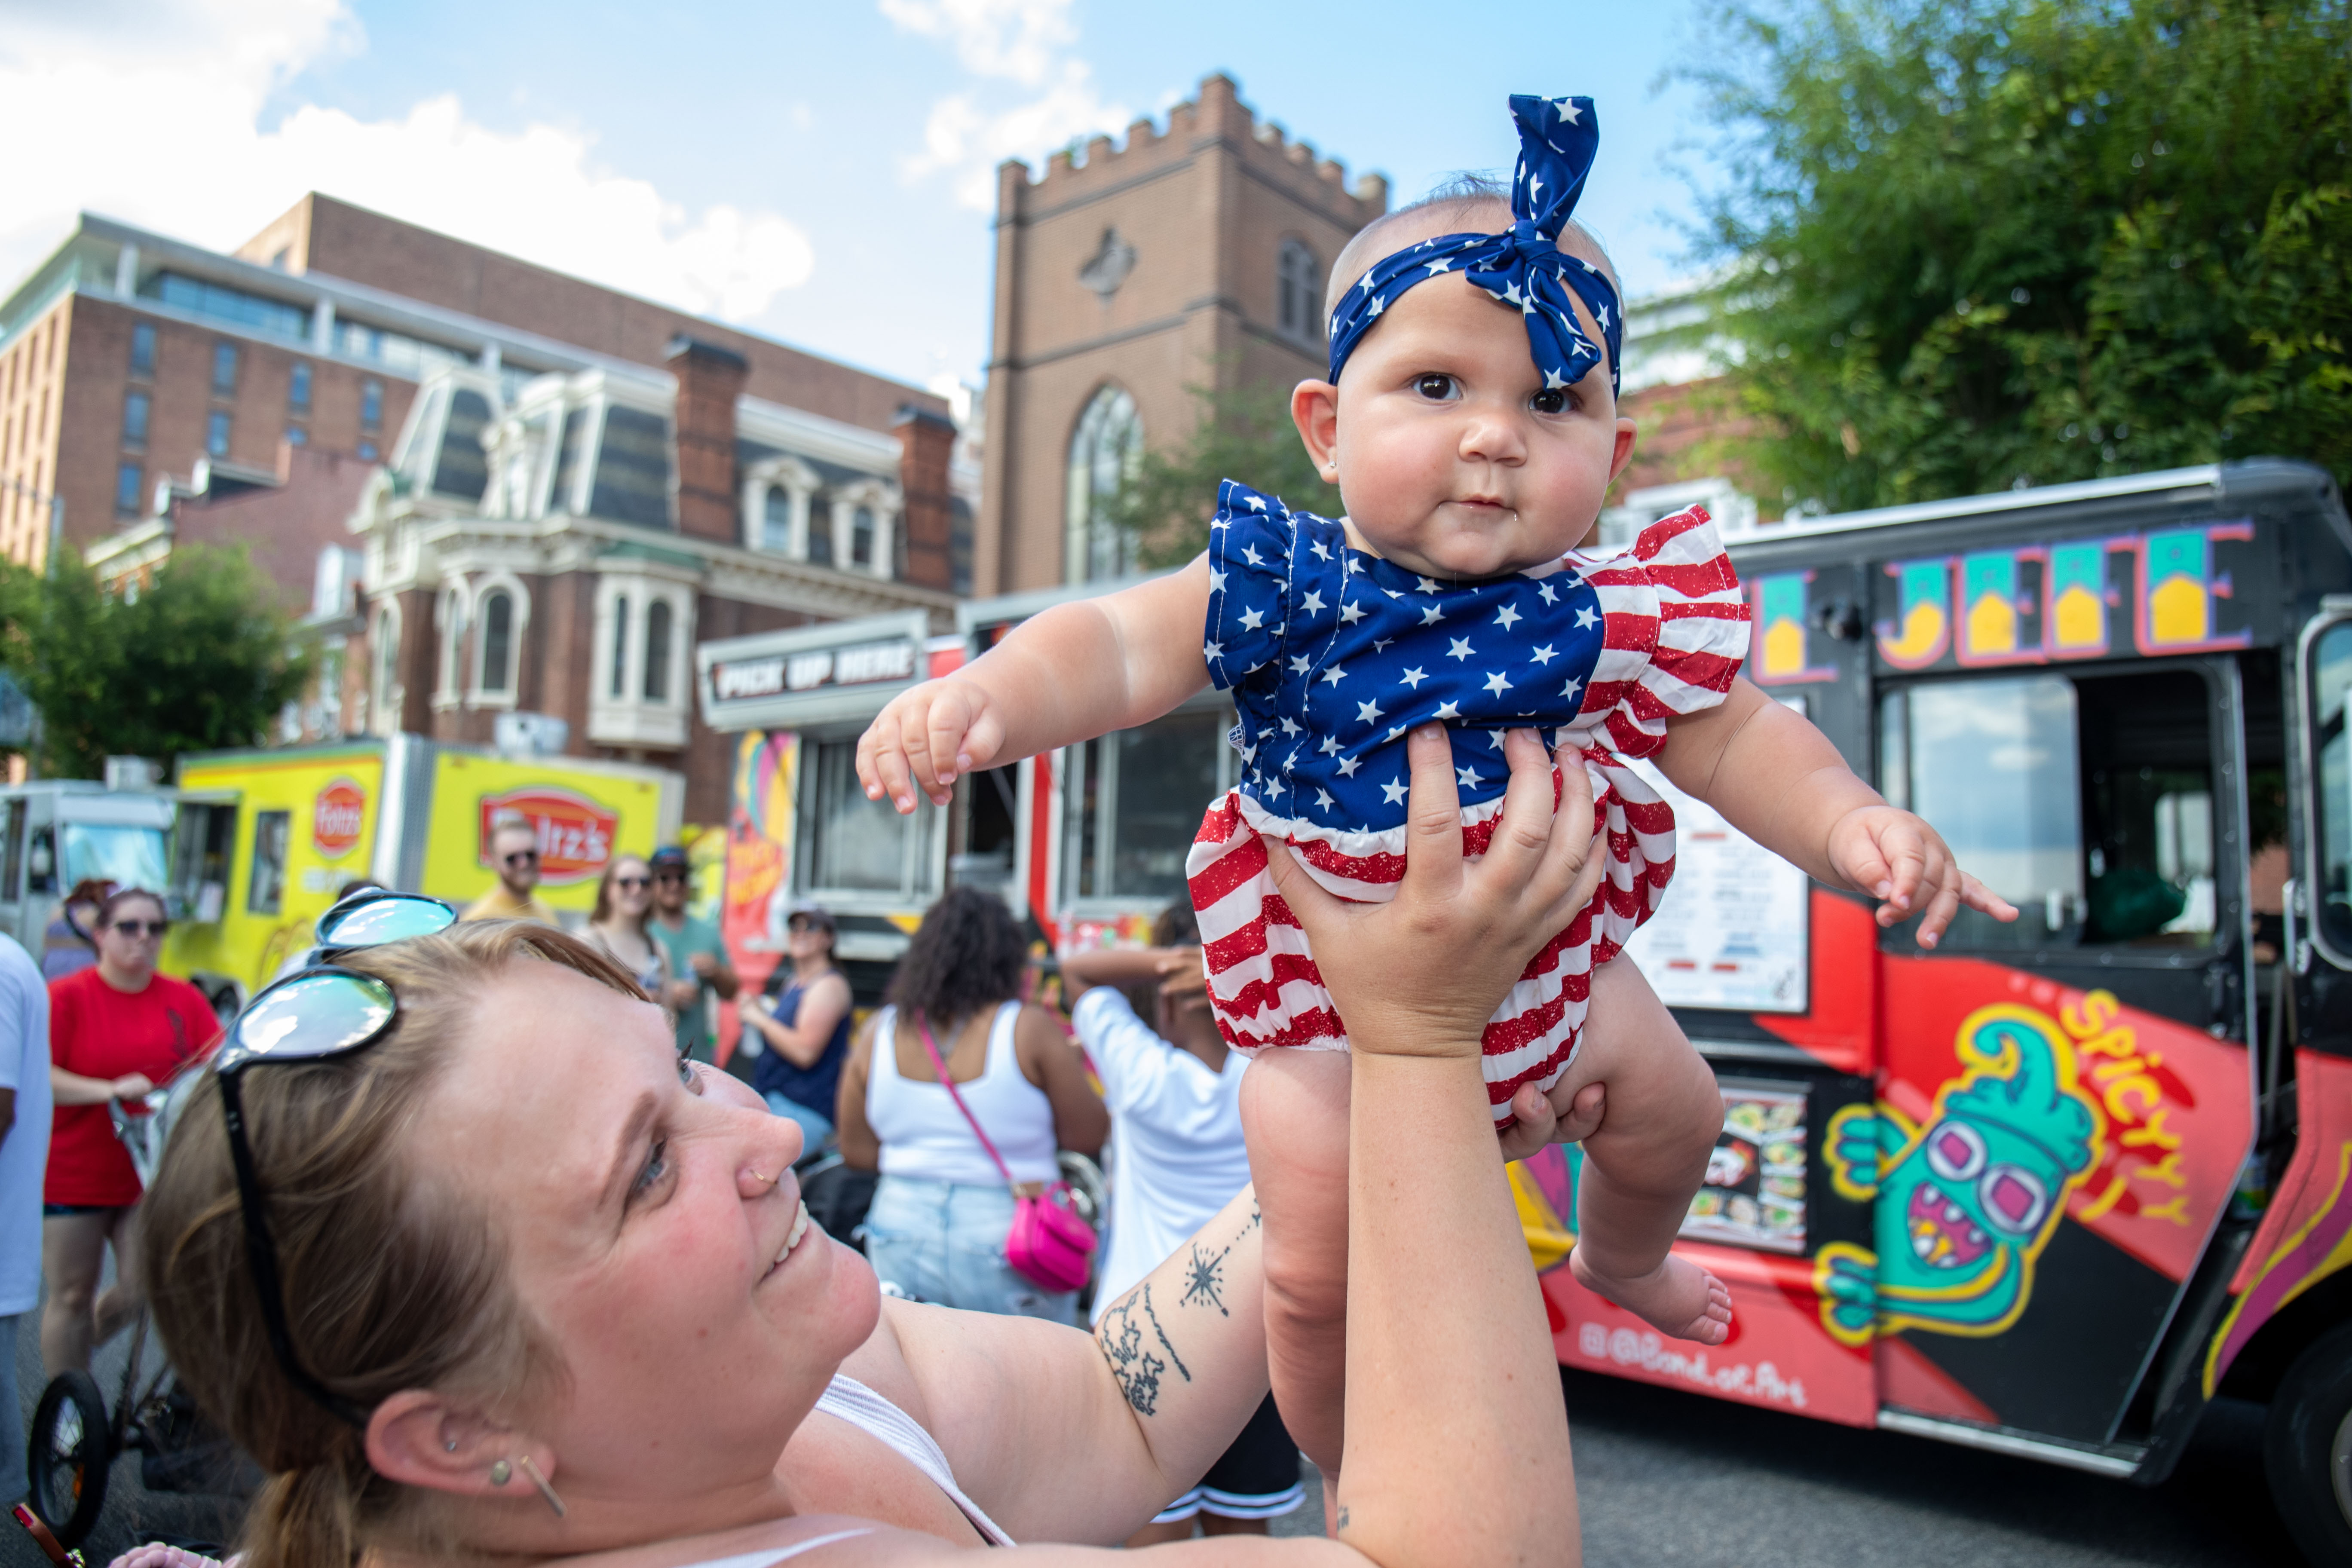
116,1030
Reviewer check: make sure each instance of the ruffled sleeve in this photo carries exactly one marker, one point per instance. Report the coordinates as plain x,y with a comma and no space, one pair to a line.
1250,543
1675,631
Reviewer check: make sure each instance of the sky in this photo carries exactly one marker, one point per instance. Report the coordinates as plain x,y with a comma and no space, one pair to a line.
819,173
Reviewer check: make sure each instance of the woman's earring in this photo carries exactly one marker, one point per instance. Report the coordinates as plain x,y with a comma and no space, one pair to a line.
540,1482
500,1472
451,1445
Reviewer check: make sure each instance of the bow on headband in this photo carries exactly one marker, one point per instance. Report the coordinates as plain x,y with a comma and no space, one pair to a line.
1525,268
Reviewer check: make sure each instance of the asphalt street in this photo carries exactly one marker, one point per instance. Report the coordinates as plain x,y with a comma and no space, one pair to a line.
1666,1477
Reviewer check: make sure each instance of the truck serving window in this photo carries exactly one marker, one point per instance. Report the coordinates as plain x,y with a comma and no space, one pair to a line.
860,846
2086,801
265,891
2331,682
1134,804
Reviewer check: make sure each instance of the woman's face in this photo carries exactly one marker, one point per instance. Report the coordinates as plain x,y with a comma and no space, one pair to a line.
633,887
127,945
657,1231
806,940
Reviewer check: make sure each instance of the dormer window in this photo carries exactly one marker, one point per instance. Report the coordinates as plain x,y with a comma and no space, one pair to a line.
645,633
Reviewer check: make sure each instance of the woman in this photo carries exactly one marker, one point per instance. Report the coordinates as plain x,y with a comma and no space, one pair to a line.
937,1229
618,927
67,947
117,1029
1175,1098
802,1017
543,1261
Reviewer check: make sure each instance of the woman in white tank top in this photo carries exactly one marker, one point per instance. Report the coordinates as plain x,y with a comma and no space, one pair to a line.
937,1229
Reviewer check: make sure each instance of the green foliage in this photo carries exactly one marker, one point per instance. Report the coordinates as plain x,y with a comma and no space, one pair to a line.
1242,433
205,659
1976,243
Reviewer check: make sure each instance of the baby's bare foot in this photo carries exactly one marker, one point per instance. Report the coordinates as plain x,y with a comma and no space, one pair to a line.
1677,1297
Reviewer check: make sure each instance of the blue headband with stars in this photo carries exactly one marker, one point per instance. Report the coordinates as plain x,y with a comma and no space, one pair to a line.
1524,267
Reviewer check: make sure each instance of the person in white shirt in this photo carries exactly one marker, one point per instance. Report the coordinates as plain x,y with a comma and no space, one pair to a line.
1174,1094
23,1160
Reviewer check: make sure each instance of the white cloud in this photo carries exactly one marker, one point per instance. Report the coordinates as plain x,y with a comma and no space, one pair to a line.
1015,38
164,106
968,134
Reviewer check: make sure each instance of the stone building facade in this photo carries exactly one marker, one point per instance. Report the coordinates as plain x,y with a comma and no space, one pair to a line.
1190,255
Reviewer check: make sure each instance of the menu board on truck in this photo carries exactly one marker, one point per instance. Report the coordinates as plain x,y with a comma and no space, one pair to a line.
1731,933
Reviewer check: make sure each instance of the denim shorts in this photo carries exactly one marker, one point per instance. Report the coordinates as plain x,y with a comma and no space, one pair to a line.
944,1242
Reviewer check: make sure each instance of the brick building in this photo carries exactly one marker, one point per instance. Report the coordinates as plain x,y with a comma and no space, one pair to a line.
558,469
1191,255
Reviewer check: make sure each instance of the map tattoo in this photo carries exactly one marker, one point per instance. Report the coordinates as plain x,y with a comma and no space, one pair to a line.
1204,1279
1128,1335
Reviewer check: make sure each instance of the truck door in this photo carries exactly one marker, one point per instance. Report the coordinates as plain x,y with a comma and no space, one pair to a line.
2063,1103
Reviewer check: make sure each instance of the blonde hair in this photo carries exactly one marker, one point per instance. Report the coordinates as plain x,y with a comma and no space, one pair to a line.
393,1277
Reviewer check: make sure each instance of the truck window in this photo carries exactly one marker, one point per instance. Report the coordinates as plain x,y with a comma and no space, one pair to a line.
2085,801
12,853
41,862
265,892
1134,803
861,845
200,858
2331,682
126,853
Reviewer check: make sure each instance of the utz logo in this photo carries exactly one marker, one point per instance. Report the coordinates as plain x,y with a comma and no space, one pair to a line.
575,834
337,816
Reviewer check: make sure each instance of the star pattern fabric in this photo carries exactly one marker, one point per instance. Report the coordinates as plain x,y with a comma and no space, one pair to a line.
1332,655
1524,267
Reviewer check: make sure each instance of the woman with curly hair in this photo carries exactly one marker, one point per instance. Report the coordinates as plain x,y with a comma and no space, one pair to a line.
937,1229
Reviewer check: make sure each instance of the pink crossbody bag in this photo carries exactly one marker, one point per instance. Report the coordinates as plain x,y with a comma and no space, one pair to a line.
1049,1245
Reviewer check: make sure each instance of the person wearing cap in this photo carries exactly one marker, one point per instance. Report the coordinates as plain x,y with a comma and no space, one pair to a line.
802,1020
67,947
697,955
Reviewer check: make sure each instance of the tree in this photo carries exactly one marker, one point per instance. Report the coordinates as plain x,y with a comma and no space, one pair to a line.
205,659
1975,244
1242,432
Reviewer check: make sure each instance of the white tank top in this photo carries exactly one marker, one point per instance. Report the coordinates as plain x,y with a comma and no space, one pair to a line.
923,1134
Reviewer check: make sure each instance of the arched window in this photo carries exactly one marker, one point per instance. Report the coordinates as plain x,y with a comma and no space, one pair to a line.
621,646
658,651
498,641
819,530
1297,282
776,520
861,536
1104,450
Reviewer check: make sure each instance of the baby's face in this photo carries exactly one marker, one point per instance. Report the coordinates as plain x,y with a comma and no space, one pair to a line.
1454,459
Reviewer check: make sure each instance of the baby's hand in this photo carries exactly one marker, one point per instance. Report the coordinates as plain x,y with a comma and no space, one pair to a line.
1898,860
1553,1116
924,739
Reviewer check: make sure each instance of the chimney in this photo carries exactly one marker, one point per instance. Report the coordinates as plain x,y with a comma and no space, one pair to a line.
709,379
925,443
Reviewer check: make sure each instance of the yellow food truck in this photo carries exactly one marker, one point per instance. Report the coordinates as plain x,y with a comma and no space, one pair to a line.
267,839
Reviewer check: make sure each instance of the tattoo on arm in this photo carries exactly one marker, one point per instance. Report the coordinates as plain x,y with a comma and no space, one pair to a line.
1132,1341
1343,1516
1204,1279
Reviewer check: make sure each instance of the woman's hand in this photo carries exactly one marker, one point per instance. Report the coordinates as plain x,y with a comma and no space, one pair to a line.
133,1086
1421,974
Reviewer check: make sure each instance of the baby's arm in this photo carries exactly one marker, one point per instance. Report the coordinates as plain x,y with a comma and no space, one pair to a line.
1067,674
1778,780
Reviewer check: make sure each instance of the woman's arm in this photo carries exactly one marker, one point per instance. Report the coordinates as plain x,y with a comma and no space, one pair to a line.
859,1147
72,1089
1067,674
1123,966
1051,1061
802,1041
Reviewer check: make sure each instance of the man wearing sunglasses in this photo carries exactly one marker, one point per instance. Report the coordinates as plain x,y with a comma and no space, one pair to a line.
695,950
514,854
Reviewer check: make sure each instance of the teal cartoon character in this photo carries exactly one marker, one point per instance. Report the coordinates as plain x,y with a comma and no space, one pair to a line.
1966,1204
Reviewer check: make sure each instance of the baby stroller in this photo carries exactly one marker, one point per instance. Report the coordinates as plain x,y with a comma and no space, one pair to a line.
73,1443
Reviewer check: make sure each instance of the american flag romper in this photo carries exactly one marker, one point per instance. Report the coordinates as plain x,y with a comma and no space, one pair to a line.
1332,655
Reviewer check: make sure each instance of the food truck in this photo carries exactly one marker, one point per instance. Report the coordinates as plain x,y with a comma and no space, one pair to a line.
267,839
2048,1190
55,833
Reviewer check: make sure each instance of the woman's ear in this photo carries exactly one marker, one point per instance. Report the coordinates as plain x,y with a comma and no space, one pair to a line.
1315,410
419,1440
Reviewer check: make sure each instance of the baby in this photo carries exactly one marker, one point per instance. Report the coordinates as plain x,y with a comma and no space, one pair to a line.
1470,421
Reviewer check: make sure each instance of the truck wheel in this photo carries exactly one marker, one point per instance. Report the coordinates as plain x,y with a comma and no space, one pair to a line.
67,1456
2308,1448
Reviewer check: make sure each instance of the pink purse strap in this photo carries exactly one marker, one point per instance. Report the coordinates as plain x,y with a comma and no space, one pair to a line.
939,1065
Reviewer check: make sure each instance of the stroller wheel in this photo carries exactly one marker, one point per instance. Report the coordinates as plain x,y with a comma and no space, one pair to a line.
67,1456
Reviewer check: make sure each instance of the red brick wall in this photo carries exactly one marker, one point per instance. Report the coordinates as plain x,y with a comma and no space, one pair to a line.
285,527
927,443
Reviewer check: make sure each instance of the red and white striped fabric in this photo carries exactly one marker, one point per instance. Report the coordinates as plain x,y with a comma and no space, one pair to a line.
1675,633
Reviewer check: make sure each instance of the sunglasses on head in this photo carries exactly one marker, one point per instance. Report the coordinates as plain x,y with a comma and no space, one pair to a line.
320,1014
138,930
